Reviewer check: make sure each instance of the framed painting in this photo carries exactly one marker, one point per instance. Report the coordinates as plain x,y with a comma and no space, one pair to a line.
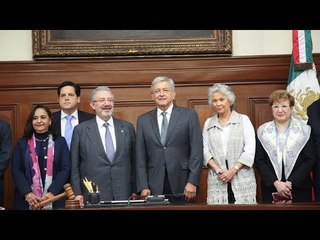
79,44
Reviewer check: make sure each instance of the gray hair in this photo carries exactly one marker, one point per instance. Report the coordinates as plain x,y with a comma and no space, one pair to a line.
162,79
98,89
222,88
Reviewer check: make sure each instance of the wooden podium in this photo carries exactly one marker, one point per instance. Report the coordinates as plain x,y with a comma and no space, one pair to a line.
205,207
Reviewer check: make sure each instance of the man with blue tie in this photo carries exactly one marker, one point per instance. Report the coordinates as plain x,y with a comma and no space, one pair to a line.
103,151
169,150
69,115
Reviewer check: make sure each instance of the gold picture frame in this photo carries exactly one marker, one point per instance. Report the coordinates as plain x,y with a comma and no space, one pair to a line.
80,44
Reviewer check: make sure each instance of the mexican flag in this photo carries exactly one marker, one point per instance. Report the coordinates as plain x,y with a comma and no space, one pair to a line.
302,81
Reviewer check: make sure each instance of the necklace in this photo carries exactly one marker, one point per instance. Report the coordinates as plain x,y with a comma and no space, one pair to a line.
223,122
42,140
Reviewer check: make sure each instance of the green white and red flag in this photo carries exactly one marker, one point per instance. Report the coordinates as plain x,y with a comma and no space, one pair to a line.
302,81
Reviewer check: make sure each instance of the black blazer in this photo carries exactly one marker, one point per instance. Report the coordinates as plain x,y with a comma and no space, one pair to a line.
5,152
83,116
300,175
314,121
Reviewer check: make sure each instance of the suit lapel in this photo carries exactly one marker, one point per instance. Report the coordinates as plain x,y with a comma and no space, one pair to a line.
175,114
154,124
94,136
120,133
80,116
58,122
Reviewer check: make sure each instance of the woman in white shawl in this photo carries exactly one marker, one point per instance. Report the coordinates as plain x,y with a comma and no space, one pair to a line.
285,153
229,148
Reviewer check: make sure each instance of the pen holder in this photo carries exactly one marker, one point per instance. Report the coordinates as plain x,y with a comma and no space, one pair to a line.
94,198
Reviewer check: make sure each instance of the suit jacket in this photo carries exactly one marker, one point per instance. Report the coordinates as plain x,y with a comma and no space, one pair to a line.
115,179
181,155
313,112
83,116
23,180
5,152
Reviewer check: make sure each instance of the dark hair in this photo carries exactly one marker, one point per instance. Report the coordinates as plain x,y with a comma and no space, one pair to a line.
69,83
28,129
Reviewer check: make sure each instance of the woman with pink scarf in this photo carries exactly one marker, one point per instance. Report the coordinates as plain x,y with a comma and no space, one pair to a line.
40,162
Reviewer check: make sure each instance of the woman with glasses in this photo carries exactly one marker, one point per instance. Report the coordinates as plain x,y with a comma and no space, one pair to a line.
285,153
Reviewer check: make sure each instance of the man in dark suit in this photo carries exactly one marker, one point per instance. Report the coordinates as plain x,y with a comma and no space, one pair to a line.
111,168
313,112
171,166
5,152
69,98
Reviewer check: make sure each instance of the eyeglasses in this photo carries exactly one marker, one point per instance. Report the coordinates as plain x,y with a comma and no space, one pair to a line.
104,100
278,107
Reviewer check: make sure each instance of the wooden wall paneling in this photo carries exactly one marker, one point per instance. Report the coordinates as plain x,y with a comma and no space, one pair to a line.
26,83
130,110
259,110
202,108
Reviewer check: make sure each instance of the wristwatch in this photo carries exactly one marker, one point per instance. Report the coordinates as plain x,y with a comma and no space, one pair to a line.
236,168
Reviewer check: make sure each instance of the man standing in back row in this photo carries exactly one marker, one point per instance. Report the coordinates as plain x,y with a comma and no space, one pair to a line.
169,150
69,115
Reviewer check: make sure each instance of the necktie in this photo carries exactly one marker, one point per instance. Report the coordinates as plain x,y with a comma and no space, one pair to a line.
68,130
109,143
164,127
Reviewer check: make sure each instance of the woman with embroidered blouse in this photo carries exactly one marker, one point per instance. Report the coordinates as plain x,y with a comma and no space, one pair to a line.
229,148
285,153
40,162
